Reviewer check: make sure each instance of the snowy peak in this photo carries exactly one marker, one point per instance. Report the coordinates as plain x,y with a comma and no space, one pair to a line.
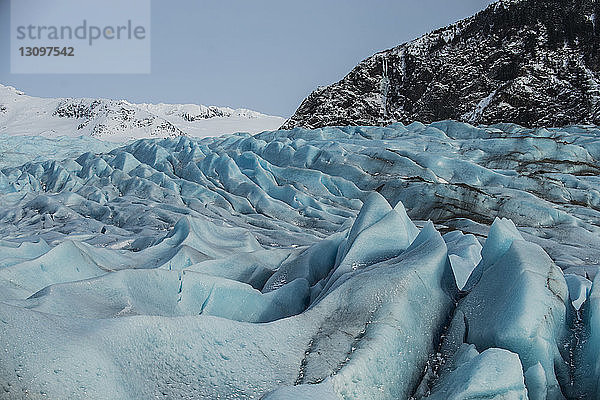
120,120
195,112
7,90
534,63
102,118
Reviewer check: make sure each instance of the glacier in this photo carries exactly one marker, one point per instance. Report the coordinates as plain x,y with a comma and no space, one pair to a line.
440,261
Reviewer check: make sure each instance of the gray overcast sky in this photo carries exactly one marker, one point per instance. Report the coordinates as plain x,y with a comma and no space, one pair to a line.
265,55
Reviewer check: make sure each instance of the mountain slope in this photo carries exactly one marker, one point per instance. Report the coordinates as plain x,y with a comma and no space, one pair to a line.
534,63
119,120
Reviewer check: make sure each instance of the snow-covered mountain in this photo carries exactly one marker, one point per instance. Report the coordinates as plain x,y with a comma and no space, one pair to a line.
531,62
119,120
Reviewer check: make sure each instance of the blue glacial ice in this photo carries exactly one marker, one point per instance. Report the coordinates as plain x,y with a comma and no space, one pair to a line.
368,318
579,289
517,300
464,252
587,370
419,261
493,374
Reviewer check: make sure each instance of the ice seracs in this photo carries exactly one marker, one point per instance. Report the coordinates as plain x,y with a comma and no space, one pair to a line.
351,262
368,335
464,252
361,317
494,374
587,367
517,300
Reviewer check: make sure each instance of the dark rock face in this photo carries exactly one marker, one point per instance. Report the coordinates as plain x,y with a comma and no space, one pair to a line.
530,62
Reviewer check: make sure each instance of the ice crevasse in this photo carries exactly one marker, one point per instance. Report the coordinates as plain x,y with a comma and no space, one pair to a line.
508,337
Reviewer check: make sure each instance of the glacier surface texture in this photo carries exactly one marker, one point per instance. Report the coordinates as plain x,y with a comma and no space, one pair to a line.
440,261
